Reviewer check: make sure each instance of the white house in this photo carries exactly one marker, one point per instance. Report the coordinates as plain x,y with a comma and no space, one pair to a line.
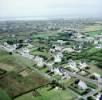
99,96
61,42
82,85
49,64
66,76
40,61
68,50
82,65
57,71
58,57
72,64
58,48
99,46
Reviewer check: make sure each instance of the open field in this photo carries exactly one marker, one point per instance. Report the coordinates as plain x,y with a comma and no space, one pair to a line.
4,95
95,69
13,62
43,54
14,84
44,34
90,28
49,94
93,33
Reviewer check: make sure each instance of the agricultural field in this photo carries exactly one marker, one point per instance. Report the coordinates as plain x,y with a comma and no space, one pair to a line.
94,33
91,28
49,94
14,84
4,95
13,62
45,35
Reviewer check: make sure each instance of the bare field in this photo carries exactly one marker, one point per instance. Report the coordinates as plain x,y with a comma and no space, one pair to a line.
7,67
90,28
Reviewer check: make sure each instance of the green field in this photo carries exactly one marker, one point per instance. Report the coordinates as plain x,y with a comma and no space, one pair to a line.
44,35
46,94
13,62
4,95
14,84
43,54
93,33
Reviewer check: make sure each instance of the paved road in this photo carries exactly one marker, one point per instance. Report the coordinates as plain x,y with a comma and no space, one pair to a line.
81,77
91,93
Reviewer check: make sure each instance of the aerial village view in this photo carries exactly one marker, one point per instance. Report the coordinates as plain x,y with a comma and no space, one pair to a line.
54,59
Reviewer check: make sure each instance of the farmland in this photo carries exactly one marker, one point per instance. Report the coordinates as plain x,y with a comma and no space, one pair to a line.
47,94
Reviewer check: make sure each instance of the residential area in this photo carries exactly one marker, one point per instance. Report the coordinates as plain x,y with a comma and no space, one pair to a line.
54,59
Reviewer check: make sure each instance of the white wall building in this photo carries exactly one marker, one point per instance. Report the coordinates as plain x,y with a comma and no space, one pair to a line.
82,85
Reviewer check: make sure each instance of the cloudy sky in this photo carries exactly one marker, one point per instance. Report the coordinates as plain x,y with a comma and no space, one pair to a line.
50,8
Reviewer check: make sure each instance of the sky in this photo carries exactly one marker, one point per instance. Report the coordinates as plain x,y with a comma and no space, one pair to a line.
50,8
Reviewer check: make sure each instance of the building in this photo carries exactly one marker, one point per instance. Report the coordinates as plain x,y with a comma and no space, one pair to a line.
40,61
96,75
99,96
82,85
72,64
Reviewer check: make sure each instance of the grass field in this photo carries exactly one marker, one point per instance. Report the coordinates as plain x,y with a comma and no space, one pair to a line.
47,94
90,28
43,54
4,95
13,62
14,84
44,35
93,33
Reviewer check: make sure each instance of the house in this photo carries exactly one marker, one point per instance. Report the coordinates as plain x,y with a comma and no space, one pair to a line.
99,96
96,75
82,65
57,71
52,50
58,57
27,55
30,45
66,76
58,48
49,64
25,50
67,50
40,61
72,64
82,85
61,42
56,88
99,46
9,48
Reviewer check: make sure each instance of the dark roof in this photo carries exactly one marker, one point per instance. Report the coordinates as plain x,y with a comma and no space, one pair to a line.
100,97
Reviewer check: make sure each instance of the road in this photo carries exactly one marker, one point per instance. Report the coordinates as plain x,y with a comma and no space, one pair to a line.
81,77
